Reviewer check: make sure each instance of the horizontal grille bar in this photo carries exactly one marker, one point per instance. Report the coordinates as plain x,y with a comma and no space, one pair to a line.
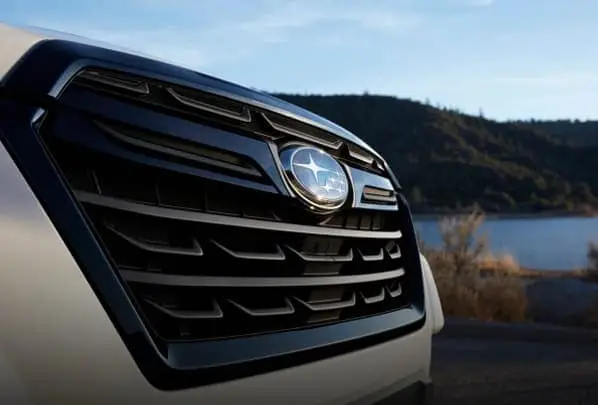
190,216
255,282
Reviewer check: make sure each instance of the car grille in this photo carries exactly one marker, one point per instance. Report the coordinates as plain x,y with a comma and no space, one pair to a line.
205,259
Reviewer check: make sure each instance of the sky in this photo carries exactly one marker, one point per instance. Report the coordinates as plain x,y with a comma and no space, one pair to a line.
510,59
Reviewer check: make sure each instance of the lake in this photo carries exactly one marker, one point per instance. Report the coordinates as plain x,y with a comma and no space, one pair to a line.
539,243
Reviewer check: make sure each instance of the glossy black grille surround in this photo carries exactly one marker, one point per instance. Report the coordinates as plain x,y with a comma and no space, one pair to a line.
222,111
343,285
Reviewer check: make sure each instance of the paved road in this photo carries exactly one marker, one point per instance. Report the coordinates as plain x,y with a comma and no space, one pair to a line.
486,364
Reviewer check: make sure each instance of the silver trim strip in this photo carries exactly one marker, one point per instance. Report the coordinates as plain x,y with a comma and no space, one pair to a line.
138,87
298,134
189,102
255,282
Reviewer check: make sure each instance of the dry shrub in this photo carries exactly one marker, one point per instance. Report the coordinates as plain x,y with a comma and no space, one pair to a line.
503,262
497,295
502,298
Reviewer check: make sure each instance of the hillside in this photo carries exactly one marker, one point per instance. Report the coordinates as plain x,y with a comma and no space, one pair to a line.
580,133
448,161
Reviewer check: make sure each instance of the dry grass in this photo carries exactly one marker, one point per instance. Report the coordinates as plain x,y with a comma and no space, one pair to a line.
503,262
471,282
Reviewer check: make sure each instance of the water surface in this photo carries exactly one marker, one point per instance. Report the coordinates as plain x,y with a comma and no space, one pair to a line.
540,243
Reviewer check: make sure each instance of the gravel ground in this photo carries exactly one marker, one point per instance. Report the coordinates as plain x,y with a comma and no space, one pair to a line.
475,363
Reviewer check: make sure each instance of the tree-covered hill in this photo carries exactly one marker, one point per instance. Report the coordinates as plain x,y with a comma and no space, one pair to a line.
574,132
447,160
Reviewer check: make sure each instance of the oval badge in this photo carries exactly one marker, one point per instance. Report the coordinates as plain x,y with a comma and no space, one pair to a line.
316,177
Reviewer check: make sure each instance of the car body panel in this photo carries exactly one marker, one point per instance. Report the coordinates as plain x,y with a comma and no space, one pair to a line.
14,44
434,306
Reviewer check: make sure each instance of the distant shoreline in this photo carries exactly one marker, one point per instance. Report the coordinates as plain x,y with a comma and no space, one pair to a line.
506,215
544,273
536,274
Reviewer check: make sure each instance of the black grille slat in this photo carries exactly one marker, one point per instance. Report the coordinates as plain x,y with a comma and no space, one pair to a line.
277,255
328,305
307,257
194,250
374,299
214,313
395,289
287,309
373,257
393,250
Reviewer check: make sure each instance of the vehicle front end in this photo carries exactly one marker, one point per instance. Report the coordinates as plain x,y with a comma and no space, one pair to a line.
168,237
